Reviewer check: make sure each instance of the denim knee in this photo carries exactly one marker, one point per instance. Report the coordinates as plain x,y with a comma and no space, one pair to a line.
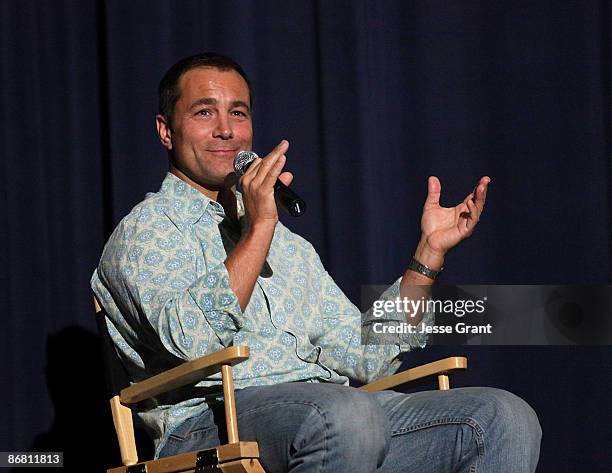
354,426
513,425
516,416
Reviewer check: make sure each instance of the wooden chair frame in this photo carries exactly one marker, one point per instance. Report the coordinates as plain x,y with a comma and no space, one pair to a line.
236,456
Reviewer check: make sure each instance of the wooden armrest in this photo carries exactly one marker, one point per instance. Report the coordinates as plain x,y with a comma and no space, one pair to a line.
189,372
444,366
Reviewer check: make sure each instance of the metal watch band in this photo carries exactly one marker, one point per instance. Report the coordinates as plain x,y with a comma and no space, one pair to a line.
426,271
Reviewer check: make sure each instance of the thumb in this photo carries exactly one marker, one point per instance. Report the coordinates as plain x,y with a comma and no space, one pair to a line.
434,188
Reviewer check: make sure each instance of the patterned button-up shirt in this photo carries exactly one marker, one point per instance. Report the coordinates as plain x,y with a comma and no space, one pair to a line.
165,289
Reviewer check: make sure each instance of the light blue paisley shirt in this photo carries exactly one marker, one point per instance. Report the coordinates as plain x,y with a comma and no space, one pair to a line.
164,286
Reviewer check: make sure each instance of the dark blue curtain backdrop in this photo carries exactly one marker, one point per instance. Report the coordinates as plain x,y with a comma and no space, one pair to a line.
373,97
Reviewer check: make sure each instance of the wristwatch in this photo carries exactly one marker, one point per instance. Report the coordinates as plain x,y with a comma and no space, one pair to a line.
420,268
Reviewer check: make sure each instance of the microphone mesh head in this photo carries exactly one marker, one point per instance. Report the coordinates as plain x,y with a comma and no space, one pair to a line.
242,161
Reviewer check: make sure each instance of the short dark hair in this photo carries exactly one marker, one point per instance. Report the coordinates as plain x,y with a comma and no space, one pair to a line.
169,92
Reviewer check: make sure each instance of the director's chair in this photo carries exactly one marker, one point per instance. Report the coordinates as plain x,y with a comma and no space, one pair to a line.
236,456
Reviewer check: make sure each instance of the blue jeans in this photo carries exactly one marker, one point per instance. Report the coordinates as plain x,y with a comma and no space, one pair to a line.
327,428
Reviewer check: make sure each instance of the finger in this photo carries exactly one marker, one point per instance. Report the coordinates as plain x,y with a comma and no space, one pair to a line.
434,189
473,208
273,173
463,215
469,197
473,216
250,173
480,193
252,167
276,153
269,161
462,209
286,178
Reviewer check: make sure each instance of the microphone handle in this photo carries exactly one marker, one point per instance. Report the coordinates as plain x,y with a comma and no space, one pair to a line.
288,199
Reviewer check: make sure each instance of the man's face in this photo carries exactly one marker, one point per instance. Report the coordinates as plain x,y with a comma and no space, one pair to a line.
211,123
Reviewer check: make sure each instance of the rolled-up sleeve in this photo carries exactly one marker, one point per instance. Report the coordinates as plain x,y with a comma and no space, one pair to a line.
405,340
349,345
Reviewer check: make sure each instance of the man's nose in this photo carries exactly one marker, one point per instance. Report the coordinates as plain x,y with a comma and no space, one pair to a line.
223,129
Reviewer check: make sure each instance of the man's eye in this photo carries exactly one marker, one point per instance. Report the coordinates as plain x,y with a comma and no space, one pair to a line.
204,112
238,113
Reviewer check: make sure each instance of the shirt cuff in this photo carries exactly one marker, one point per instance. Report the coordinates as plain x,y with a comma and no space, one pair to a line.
405,340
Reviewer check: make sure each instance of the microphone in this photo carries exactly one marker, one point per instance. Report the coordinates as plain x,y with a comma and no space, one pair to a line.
288,199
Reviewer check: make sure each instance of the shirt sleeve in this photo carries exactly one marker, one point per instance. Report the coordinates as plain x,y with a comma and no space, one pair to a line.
407,340
160,290
349,345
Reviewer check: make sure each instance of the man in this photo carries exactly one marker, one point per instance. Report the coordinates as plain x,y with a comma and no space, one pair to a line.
198,266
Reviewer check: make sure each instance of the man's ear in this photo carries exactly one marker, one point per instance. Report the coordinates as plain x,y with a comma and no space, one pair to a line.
164,131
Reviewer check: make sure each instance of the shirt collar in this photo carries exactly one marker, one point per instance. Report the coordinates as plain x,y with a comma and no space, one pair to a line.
191,204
